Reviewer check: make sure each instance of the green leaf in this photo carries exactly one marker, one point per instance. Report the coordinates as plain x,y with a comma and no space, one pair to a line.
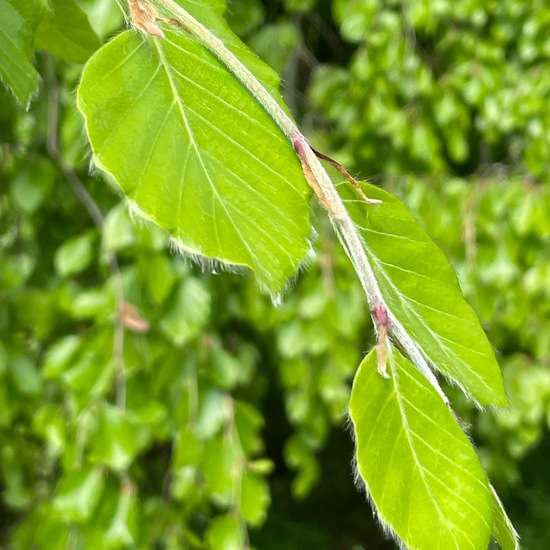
90,376
4,358
245,16
118,438
221,455
6,406
188,313
19,21
117,231
160,277
50,424
78,494
226,532
105,16
210,14
249,423
212,413
92,304
420,470
255,498
31,186
25,375
227,370
67,33
287,37
74,255
200,156
300,456
421,289
503,530
123,529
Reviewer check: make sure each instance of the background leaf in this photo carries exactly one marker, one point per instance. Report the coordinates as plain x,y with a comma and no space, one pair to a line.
19,21
74,255
66,32
422,291
194,158
118,438
78,494
226,532
420,470
123,529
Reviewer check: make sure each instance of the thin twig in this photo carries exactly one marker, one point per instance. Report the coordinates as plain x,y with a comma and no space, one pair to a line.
95,213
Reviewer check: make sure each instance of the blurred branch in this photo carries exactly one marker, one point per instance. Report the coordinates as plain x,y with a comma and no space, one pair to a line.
95,213
470,212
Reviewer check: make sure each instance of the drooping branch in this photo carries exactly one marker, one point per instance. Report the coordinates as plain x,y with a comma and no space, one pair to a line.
315,174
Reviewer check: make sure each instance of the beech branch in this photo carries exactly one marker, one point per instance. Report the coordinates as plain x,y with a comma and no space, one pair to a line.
314,172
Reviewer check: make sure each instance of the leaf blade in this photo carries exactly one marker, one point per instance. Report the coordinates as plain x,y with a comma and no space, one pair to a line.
422,291
212,19
421,471
205,177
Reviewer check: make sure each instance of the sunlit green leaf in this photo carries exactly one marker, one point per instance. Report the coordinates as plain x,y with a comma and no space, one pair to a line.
105,16
420,470
90,375
49,422
212,412
210,13
94,303
194,157
422,291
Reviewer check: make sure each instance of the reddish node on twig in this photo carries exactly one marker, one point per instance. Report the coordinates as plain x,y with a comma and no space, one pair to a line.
380,313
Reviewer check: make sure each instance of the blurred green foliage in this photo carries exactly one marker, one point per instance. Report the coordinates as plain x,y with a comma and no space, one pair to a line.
228,398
